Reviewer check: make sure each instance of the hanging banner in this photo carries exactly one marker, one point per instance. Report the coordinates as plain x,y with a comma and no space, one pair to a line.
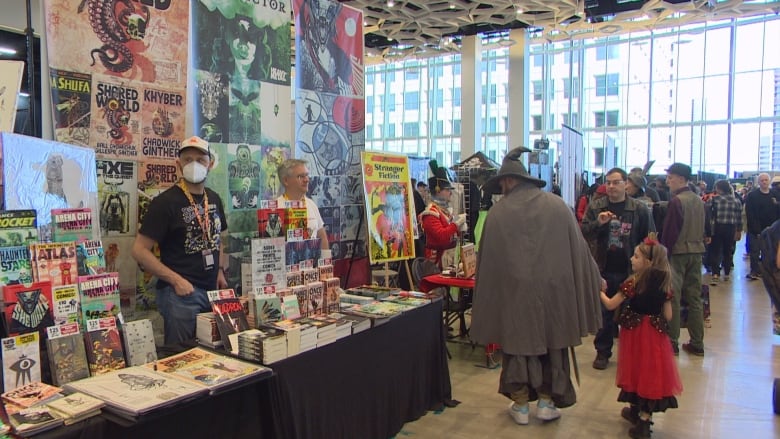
388,190
329,105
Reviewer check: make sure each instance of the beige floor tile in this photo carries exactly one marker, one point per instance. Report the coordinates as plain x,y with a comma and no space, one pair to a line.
728,393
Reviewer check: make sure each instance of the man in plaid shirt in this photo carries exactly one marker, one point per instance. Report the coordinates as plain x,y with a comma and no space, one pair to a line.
724,227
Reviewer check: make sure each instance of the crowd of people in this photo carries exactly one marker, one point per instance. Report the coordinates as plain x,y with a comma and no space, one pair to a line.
541,287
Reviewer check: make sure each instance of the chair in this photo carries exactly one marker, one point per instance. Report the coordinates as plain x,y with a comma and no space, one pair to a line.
454,309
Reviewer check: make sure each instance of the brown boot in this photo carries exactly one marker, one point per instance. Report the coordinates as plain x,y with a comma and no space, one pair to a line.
641,430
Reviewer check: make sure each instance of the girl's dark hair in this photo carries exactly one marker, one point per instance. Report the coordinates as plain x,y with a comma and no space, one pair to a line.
659,270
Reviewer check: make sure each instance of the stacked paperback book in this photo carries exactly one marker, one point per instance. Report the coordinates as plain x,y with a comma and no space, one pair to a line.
266,346
27,408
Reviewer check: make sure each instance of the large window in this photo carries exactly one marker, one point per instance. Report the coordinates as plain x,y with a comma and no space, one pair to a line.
707,94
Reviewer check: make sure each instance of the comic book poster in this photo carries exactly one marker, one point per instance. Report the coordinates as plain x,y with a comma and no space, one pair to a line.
10,84
162,122
71,96
243,167
388,195
45,175
268,263
154,176
241,53
272,157
117,195
132,40
28,308
117,251
116,118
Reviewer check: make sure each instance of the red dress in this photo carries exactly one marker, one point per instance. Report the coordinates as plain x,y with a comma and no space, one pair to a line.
647,371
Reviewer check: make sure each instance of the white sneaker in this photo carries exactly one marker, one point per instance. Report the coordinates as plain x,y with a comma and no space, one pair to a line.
519,414
546,410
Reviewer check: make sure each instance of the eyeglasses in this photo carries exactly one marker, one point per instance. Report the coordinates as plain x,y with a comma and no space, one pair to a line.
302,177
614,182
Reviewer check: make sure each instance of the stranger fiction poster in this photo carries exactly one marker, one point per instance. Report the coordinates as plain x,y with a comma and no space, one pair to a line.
388,190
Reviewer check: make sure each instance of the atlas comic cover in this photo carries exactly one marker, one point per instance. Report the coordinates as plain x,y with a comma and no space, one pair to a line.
55,262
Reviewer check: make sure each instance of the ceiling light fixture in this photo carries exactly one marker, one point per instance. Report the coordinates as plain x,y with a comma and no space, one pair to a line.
580,8
520,10
390,3
7,51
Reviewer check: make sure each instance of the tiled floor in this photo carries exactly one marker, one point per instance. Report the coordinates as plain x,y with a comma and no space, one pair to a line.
728,393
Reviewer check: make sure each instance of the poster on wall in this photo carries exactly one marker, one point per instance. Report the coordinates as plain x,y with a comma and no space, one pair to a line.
241,83
130,40
388,195
71,96
45,175
118,197
10,84
163,116
329,105
115,126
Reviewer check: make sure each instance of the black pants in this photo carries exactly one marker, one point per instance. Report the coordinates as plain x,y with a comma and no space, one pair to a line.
605,338
722,247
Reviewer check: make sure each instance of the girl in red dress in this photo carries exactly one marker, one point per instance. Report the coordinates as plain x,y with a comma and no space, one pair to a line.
647,373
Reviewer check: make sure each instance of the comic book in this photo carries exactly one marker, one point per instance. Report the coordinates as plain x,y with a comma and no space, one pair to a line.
100,297
271,220
71,224
28,307
231,319
71,97
67,355
116,121
66,304
91,257
117,195
268,262
21,361
296,222
302,254
55,262
204,368
15,265
18,227
163,115
139,342
117,251
104,346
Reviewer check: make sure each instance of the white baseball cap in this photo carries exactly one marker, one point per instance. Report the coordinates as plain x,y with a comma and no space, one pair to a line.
197,143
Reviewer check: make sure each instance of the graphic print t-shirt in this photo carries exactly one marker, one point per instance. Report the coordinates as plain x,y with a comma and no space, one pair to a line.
172,222
617,262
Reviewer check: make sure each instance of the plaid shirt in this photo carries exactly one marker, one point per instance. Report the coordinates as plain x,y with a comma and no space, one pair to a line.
726,210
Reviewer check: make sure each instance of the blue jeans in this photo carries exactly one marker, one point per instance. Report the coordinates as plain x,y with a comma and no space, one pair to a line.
605,337
179,313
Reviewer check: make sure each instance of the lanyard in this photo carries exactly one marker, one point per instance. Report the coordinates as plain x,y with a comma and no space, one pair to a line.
204,222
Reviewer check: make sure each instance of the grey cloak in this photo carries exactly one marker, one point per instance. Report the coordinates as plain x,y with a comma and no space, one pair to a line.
537,285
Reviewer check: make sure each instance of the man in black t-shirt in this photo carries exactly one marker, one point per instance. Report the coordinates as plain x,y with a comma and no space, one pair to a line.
188,223
617,223
761,210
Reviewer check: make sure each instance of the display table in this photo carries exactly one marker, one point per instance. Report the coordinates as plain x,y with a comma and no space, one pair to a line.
366,385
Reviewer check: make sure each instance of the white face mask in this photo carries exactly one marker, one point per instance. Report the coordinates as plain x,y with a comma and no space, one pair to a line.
194,172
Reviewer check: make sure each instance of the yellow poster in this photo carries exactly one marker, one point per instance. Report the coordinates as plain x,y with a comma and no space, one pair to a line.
388,190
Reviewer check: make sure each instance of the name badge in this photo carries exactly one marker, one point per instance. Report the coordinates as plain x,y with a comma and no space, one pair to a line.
208,260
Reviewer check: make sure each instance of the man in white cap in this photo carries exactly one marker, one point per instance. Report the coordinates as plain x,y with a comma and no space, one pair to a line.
188,223
536,291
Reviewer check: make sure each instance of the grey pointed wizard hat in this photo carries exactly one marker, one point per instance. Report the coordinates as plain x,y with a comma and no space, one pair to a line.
511,167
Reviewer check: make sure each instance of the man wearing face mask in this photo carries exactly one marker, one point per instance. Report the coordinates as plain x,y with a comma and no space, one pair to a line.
188,223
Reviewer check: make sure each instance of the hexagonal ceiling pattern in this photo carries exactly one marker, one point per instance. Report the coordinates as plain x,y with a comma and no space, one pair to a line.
400,29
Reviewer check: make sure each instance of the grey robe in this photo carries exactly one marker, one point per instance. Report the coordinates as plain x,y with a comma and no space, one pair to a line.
537,285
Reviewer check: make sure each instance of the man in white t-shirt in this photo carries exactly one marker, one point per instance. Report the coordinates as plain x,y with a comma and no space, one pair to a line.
294,176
